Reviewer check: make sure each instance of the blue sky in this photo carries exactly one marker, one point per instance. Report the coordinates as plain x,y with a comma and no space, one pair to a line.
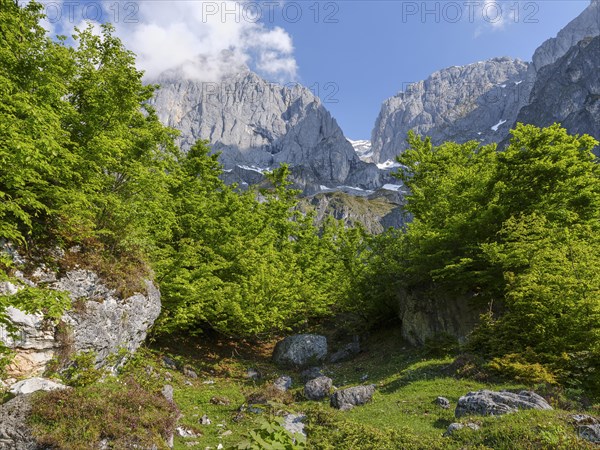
373,50
352,54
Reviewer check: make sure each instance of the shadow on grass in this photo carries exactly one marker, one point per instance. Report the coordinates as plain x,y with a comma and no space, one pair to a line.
442,424
428,372
211,354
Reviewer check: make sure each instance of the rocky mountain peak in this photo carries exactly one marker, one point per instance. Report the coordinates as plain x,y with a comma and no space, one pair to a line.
456,103
257,125
587,24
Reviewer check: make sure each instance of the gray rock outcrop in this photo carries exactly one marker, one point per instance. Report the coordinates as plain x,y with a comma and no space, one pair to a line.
300,350
568,91
318,388
14,432
35,384
473,102
257,125
482,101
588,427
99,321
459,426
490,403
442,402
354,396
426,313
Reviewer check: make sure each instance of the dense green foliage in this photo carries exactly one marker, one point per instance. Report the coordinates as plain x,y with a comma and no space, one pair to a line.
242,265
515,230
85,162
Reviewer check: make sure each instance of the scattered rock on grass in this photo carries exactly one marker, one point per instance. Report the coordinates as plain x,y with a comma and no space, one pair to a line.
186,432
583,419
167,392
14,432
204,420
294,423
490,403
459,426
354,396
169,363
189,372
300,350
255,410
442,402
221,401
283,383
253,374
590,433
35,384
588,427
318,388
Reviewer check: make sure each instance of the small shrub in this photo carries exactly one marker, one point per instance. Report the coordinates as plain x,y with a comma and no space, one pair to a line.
272,435
514,367
82,370
123,413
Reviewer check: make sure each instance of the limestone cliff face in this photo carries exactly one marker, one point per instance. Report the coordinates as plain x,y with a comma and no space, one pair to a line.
473,102
587,24
100,321
375,212
568,91
482,101
257,125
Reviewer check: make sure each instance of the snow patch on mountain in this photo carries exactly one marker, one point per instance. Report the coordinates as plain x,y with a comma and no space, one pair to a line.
389,164
363,150
495,127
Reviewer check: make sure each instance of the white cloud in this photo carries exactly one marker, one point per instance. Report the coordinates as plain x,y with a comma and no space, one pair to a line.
204,39
494,15
209,39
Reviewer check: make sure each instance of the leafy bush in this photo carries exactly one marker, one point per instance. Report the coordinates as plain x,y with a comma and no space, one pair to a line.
518,231
271,436
514,367
122,413
87,164
81,370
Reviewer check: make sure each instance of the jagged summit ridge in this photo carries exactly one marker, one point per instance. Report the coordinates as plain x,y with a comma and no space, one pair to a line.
456,103
482,101
257,124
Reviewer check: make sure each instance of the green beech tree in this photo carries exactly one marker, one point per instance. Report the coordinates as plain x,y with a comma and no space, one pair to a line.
519,228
